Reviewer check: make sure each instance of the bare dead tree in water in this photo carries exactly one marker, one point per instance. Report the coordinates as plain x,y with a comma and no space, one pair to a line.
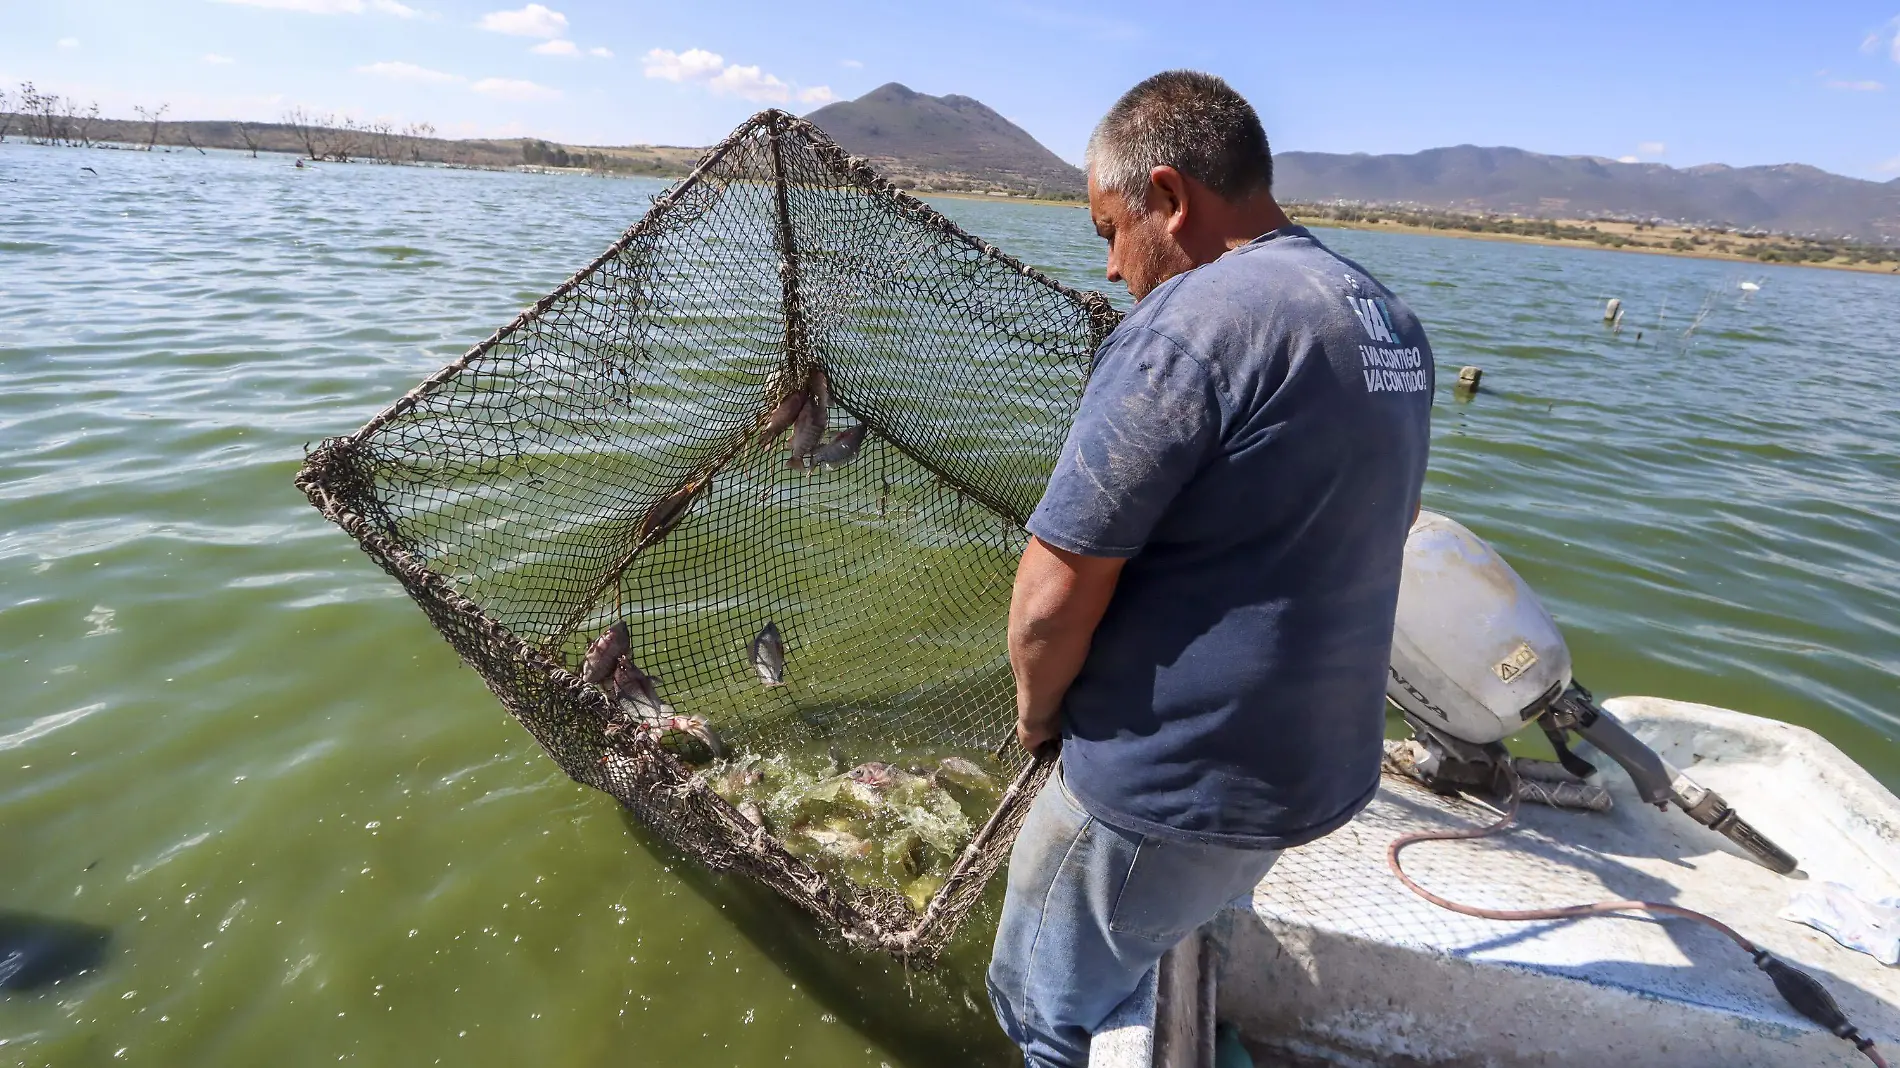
322,134
61,112
36,116
47,118
306,127
30,112
152,117
382,141
83,122
413,135
51,113
357,139
345,139
330,139
248,136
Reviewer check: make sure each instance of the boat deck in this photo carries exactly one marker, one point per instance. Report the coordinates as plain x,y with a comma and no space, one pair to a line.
1334,962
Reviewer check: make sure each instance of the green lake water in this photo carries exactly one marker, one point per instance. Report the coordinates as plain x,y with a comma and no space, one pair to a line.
307,835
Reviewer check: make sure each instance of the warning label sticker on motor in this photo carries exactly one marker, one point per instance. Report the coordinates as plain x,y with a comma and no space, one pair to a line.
1517,663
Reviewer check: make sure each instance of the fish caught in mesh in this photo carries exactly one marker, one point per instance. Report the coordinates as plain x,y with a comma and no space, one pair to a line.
899,826
747,488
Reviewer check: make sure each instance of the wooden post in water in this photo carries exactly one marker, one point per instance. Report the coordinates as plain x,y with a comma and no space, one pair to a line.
1613,309
1468,379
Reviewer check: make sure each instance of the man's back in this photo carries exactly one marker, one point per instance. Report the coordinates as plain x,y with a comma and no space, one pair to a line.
1253,438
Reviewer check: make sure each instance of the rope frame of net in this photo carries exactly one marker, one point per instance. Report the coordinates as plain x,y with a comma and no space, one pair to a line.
599,458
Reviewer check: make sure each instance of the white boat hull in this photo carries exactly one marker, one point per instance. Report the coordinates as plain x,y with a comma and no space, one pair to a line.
1334,962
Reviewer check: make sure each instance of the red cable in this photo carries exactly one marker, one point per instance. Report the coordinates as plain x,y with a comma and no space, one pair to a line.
1567,912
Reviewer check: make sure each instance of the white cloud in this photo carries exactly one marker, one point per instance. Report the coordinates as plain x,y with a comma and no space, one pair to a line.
408,72
557,47
1889,167
711,69
535,20
1887,36
694,64
391,7
600,52
217,60
69,42
1881,36
1867,86
851,64
1628,159
1651,148
515,88
750,83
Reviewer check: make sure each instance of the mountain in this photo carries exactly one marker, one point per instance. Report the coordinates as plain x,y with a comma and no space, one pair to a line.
1788,198
945,142
957,143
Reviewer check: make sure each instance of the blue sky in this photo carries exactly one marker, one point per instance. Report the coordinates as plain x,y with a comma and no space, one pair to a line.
1742,82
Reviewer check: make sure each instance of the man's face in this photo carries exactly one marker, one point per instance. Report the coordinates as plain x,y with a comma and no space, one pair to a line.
1142,252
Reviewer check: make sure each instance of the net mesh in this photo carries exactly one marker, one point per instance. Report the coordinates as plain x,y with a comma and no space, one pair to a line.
529,494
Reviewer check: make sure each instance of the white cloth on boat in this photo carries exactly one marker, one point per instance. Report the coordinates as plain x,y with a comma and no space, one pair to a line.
1870,925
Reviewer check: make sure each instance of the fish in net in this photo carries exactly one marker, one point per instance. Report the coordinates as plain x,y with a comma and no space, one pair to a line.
748,491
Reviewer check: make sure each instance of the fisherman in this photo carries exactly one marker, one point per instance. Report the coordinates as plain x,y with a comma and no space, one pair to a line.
1203,617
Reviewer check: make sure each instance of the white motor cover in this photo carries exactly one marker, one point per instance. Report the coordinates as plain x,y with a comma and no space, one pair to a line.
1473,651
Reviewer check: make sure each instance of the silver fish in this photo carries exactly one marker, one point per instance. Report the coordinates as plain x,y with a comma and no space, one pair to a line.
959,772
638,693
841,449
768,656
839,843
808,429
734,782
598,666
665,513
753,813
874,774
697,727
781,417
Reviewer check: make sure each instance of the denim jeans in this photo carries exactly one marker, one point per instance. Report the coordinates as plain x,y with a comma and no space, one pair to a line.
1090,909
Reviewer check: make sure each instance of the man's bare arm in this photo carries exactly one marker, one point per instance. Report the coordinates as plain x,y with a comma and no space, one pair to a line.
1058,601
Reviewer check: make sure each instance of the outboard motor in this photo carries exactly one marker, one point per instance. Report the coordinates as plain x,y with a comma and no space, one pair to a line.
1476,658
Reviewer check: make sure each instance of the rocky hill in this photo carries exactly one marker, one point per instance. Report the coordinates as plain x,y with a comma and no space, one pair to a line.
946,142
1789,198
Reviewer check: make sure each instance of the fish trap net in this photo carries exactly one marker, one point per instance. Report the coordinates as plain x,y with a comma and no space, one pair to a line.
615,462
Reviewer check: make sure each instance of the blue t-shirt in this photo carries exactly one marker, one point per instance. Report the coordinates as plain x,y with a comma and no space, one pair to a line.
1253,439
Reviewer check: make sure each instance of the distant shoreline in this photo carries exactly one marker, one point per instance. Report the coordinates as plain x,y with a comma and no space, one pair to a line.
1627,235
934,194
1388,226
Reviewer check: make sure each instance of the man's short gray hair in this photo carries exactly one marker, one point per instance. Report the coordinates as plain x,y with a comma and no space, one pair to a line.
1187,120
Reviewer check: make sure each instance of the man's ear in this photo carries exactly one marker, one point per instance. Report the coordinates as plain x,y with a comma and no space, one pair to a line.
1168,197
